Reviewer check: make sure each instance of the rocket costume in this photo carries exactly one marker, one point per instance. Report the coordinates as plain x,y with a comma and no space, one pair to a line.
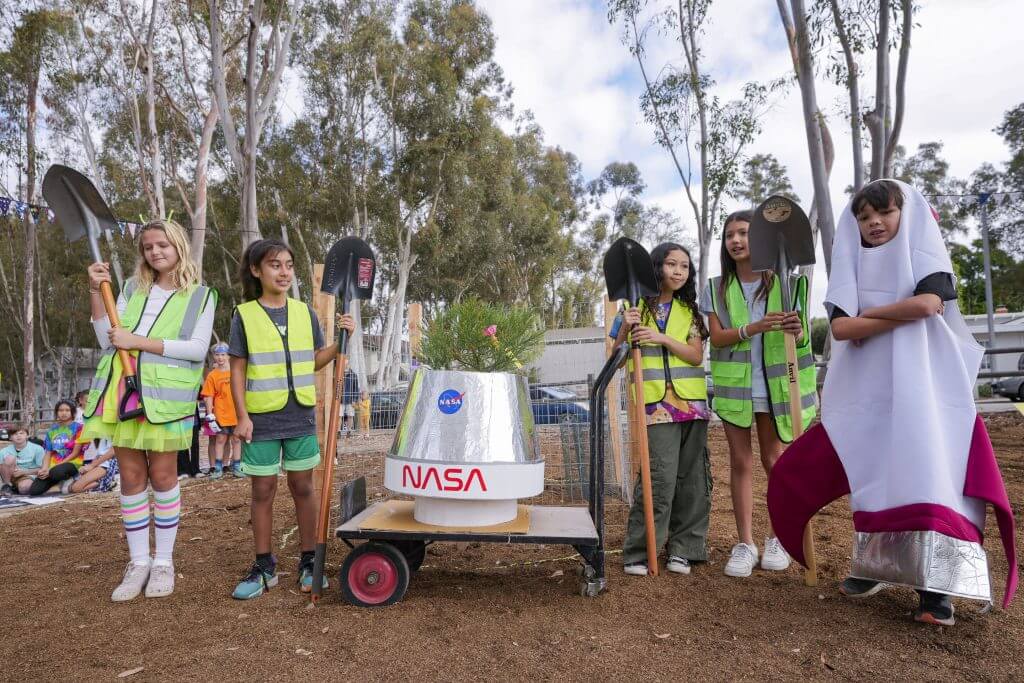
899,429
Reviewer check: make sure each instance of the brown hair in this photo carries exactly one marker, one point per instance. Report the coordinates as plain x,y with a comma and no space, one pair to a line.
879,194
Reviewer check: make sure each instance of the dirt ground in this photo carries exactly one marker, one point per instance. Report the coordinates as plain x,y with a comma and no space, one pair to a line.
476,612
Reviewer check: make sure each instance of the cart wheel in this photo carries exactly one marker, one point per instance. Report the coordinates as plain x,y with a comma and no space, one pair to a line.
374,575
414,552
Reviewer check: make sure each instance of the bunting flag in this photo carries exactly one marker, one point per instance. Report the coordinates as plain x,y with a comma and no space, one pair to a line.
9,206
5,203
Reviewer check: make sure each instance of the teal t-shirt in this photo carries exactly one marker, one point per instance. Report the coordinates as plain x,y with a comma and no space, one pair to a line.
28,458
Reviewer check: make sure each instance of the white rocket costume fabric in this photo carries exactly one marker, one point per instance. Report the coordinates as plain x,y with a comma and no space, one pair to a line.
899,429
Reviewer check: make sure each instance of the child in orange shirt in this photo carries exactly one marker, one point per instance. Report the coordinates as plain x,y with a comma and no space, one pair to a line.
220,412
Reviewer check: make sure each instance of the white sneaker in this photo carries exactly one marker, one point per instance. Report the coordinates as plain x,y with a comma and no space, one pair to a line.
678,565
161,581
775,557
742,561
635,568
135,576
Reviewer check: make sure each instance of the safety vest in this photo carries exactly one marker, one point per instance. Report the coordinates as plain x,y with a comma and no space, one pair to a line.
278,363
660,366
731,366
169,386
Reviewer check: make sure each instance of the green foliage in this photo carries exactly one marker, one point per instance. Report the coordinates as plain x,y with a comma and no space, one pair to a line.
455,338
762,176
1007,278
819,333
985,390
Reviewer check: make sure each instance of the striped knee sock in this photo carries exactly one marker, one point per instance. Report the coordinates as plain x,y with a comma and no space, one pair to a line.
166,508
135,515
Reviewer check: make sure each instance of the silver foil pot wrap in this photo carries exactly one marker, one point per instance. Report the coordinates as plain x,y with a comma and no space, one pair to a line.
926,560
452,416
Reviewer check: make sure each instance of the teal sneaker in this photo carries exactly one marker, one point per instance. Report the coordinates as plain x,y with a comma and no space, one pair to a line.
257,582
306,578
236,471
217,473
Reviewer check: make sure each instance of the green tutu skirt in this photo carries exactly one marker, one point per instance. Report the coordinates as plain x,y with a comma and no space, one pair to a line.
137,433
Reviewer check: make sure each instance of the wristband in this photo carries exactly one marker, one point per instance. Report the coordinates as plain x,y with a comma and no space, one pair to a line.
743,333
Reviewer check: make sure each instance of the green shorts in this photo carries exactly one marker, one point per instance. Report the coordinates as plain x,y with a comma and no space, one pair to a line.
263,458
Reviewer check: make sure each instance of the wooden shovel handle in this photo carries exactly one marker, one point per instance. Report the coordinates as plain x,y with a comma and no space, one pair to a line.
797,422
110,304
644,456
323,520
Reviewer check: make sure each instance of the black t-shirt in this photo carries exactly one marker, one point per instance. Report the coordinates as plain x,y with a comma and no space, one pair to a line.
940,284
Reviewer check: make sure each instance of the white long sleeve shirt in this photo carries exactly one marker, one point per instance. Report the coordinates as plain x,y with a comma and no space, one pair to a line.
193,349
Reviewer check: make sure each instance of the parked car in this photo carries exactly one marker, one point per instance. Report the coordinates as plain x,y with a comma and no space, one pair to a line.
1010,387
386,408
552,405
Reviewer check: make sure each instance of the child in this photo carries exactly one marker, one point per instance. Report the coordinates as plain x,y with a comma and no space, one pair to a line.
220,407
748,367
166,321
363,408
672,333
63,457
349,397
899,429
276,345
99,474
20,462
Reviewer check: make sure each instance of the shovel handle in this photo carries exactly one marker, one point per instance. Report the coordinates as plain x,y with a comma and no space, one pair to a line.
327,483
644,456
796,420
107,294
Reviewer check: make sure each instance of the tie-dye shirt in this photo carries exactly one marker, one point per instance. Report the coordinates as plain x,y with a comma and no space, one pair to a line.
59,442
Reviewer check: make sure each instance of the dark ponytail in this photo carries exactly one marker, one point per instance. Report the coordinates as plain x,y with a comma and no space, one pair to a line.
687,294
254,255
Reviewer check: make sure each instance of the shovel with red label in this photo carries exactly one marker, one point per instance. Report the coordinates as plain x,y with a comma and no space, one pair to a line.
349,272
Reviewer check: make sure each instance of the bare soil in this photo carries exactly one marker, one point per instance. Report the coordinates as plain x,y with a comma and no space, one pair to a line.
475,611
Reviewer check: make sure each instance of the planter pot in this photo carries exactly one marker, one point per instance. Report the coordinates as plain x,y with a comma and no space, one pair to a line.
465,448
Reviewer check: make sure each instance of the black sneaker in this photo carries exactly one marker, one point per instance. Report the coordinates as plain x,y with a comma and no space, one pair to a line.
936,609
6,490
860,588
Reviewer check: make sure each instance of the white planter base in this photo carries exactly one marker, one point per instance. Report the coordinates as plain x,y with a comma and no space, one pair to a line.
464,513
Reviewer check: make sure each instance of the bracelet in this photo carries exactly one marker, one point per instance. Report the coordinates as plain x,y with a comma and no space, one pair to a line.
94,291
743,333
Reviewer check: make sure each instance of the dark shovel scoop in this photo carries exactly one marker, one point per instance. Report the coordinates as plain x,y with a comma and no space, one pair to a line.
349,273
628,272
780,239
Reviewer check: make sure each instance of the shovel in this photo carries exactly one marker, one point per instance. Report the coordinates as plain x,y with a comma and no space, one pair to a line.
629,274
349,272
81,212
780,239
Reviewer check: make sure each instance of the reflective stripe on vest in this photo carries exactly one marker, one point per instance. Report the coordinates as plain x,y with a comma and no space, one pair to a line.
269,374
731,366
169,386
659,366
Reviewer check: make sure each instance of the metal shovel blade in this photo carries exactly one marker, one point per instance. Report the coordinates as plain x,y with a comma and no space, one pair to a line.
629,272
780,226
349,270
78,206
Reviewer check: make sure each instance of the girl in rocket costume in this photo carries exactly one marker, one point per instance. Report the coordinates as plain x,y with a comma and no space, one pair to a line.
899,430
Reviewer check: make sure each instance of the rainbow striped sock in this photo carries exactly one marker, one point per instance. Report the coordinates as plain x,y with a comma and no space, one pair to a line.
166,509
135,515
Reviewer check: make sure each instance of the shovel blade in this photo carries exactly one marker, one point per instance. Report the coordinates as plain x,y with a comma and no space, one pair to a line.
780,236
629,272
350,270
77,204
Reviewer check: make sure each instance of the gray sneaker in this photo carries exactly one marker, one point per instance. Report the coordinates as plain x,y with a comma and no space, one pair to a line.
135,576
161,581
678,565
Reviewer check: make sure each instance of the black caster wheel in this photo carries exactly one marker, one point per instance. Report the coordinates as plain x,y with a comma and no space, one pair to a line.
374,575
414,552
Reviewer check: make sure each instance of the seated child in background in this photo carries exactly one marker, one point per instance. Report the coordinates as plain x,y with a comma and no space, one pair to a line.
99,474
20,462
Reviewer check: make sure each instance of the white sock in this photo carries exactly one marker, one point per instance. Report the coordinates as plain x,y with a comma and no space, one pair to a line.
135,516
166,509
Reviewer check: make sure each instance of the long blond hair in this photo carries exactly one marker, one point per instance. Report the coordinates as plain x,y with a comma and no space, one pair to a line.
186,272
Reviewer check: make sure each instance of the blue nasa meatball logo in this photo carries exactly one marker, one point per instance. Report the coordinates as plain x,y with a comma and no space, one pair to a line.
449,401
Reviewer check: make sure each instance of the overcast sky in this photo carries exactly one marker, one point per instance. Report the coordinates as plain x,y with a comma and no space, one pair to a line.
569,67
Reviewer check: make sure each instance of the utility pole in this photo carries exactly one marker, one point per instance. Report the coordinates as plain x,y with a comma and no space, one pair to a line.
983,198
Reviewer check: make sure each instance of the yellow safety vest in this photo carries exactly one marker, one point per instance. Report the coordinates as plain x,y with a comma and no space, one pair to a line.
278,363
660,366
169,386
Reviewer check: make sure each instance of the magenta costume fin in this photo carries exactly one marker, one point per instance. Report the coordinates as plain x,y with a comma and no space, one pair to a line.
807,477
985,482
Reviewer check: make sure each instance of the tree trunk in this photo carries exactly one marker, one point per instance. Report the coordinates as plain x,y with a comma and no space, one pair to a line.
853,88
800,49
202,182
155,155
901,87
878,120
28,397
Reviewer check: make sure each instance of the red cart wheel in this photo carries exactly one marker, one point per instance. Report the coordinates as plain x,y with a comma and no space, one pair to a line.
374,575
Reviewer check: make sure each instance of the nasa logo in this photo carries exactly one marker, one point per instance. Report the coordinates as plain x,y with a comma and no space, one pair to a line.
448,479
449,401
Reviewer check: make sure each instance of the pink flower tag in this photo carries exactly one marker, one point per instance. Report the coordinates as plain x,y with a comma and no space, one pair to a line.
490,330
